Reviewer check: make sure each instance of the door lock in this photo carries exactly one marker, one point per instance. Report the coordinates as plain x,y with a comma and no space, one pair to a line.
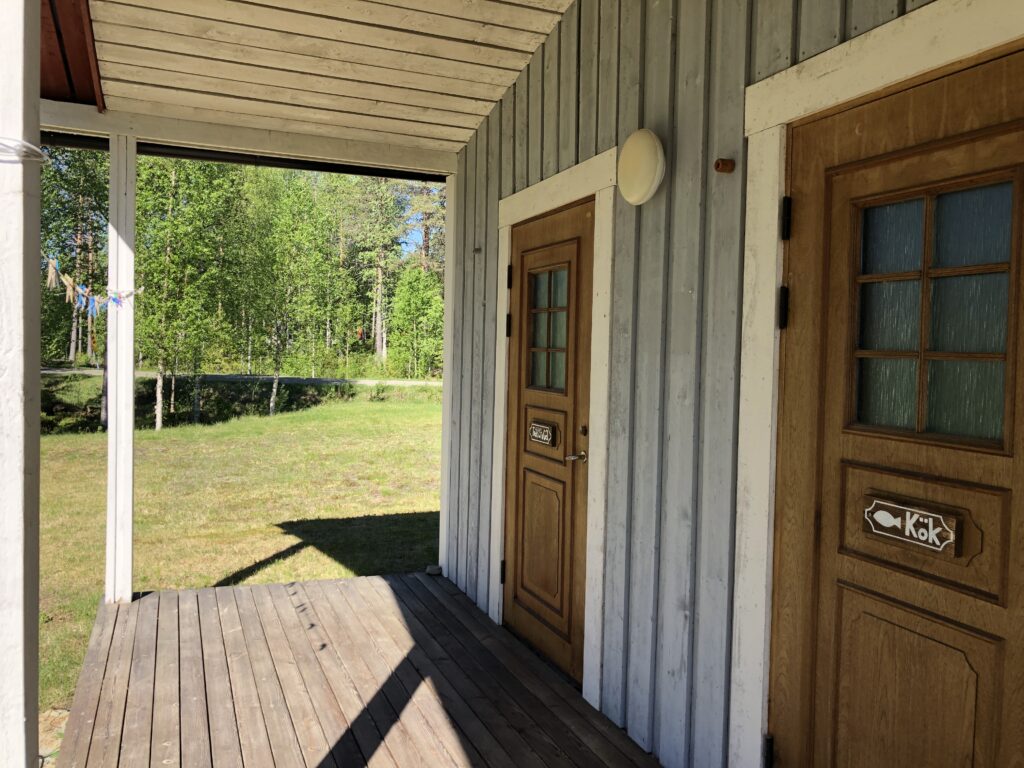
581,456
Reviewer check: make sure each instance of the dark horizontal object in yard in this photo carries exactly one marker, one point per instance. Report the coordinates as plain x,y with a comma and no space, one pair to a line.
242,377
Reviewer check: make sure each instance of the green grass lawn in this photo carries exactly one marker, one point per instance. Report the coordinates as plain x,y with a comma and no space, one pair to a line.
342,489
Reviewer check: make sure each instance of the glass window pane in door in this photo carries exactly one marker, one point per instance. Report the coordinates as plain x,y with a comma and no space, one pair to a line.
558,370
973,226
539,336
892,237
560,287
965,398
969,313
890,315
558,330
538,369
540,290
887,392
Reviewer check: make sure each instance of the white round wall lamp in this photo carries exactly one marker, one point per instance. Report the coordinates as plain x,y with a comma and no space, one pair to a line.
641,167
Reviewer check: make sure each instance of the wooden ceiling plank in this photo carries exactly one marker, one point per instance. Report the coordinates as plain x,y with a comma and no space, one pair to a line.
159,40
488,11
85,19
77,50
162,68
333,30
258,37
555,6
264,139
390,130
52,74
404,17
287,125
266,99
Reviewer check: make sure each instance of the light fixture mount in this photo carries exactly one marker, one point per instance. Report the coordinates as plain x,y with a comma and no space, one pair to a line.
641,166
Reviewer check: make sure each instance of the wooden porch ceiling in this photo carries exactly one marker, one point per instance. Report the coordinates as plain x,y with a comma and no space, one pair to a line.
395,672
414,73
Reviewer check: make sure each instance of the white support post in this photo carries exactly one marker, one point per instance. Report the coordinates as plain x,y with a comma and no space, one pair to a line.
19,382
121,371
450,234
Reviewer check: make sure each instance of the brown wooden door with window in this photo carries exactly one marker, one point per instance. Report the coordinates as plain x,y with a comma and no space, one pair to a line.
898,610
548,407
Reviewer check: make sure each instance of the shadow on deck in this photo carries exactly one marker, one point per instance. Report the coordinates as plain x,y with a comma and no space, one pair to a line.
381,671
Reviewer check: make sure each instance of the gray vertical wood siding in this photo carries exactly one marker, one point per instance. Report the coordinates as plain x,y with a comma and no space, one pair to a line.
678,67
786,32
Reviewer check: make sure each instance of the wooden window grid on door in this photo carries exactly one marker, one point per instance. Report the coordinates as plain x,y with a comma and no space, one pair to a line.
925,276
548,328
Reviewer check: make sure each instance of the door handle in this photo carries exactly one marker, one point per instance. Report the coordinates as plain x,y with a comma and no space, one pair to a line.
581,456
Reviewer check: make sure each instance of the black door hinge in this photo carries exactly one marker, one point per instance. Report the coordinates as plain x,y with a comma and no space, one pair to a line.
510,277
768,751
783,307
503,571
786,218
508,325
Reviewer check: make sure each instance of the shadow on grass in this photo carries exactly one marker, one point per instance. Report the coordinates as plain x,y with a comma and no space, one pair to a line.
370,545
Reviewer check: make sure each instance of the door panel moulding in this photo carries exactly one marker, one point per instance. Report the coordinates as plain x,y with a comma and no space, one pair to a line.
891,57
597,177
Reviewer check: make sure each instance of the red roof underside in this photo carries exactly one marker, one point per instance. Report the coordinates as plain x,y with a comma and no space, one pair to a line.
69,71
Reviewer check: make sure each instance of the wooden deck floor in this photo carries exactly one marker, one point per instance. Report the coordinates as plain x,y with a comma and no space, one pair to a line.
396,671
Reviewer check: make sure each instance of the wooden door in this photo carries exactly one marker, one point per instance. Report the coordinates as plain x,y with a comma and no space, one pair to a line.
898,610
548,436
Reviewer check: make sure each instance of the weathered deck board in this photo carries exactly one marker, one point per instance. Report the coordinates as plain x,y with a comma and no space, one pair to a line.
393,672
82,720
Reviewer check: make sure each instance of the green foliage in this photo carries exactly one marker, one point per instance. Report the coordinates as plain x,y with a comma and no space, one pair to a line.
254,270
418,322
73,231
379,393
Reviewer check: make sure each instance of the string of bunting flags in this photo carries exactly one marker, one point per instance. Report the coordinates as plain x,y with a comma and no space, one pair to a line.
82,296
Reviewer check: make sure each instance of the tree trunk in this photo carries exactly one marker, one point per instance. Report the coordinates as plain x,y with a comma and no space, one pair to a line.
89,328
103,393
378,310
426,247
90,325
158,410
174,386
75,312
73,344
273,390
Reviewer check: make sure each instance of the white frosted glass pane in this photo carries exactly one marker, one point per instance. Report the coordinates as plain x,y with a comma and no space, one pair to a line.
969,313
892,237
887,393
973,226
890,315
965,398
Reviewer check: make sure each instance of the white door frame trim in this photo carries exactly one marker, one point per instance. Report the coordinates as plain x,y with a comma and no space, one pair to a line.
597,177
900,51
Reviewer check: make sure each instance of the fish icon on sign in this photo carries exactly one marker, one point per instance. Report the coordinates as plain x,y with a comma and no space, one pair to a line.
886,519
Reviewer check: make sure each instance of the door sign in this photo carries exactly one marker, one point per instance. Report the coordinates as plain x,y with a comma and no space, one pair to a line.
929,529
542,432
